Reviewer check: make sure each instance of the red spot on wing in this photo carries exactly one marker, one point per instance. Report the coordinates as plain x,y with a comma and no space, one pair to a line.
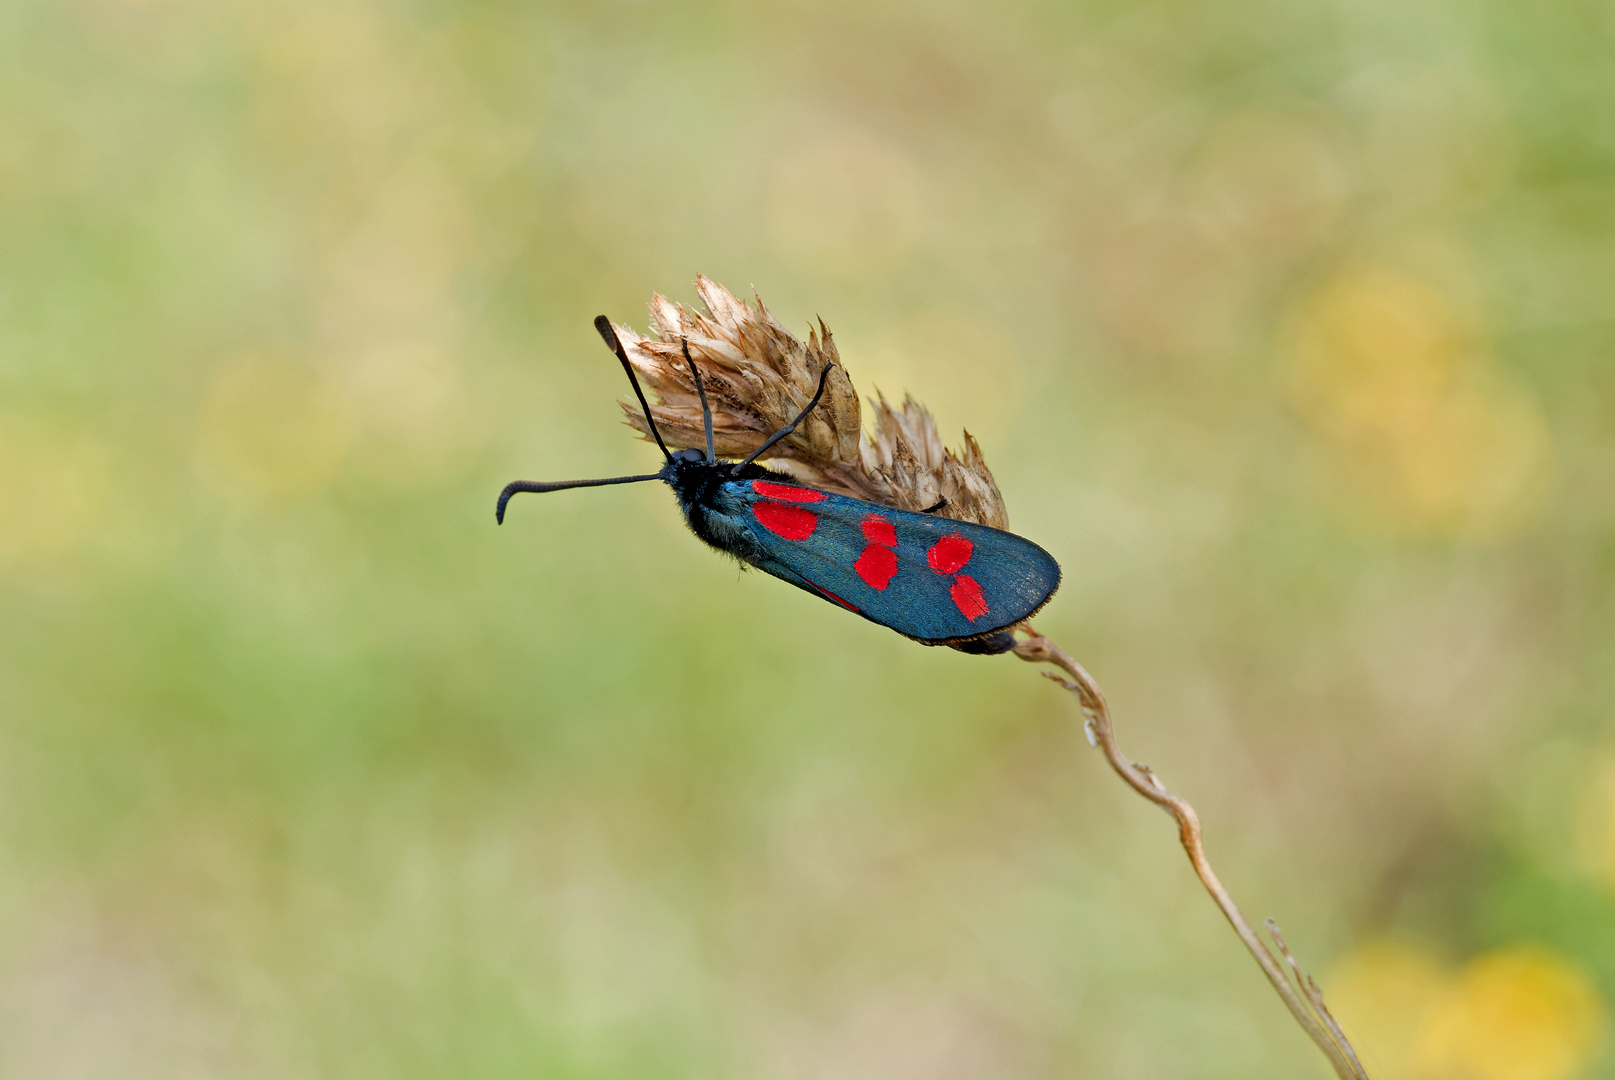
836,598
877,564
782,519
786,492
949,554
877,530
967,597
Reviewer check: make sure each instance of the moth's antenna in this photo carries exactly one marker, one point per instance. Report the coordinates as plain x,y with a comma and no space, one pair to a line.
788,428
560,485
706,413
603,325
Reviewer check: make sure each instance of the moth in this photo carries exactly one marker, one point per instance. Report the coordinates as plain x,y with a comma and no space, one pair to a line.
930,578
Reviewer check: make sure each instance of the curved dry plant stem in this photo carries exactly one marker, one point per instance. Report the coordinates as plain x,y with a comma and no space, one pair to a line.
1303,998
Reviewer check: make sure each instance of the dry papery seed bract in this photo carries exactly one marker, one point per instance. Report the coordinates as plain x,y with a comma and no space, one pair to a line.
758,377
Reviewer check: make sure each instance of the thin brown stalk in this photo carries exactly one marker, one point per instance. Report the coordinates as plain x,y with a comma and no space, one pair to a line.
1305,1003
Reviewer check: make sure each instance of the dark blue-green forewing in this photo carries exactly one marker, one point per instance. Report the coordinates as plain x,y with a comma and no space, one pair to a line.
929,577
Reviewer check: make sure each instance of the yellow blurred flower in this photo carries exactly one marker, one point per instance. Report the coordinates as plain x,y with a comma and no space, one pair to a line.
272,428
1394,383
1520,1012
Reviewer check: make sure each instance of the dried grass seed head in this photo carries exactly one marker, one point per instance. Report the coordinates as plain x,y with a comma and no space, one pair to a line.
758,376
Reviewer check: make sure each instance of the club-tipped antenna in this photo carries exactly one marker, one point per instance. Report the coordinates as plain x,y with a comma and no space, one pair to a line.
603,325
516,486
706,413
788,428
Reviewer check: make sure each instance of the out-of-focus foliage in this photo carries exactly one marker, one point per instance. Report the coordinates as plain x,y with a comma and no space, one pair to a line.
1286,327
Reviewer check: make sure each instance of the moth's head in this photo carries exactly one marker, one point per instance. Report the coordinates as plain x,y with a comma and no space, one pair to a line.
684,466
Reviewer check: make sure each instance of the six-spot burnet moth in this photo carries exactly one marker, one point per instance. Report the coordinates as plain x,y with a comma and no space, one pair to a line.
930,578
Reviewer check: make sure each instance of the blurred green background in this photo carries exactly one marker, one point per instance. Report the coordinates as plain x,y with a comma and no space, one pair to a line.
1285,326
